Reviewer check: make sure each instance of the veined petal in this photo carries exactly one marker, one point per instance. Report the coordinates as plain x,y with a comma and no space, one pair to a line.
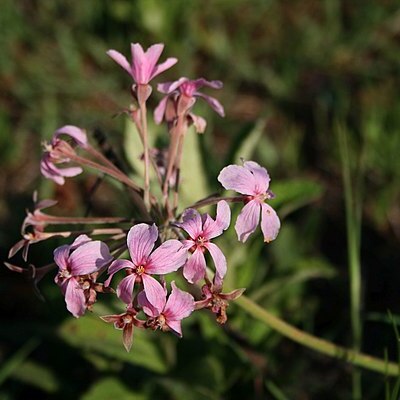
160,68
140,240
260,174
191,223
125,288
195,267
238,178
75,298
175,326
61,256
148,308
248,220
213,102
270,223
211,228
89,257
116,266
121,60
169,257
155,293
79,241
179,304
78,134
218,257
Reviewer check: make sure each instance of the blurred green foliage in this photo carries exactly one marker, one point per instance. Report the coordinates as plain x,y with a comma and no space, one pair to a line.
292,71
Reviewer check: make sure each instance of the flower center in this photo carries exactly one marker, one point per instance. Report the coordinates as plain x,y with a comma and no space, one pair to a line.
201,240
140,269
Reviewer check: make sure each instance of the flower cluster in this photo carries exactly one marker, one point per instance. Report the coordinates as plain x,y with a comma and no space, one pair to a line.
170,256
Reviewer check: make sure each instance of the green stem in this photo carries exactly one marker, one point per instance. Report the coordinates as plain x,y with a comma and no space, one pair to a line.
320,345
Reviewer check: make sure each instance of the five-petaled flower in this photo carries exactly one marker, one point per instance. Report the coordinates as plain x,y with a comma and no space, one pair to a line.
179,98
201,229
77,262
169,314
252,180
55,154
144,63
168,257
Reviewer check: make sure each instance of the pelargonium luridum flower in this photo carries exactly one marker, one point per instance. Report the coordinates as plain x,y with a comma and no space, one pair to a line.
168,257
201,229
180,98
54,154
169,314
252,180
76,262
143,67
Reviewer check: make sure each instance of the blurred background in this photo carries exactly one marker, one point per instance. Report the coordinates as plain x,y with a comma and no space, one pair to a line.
298,76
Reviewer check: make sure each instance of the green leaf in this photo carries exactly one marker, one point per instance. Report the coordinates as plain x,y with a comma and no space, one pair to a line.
92,334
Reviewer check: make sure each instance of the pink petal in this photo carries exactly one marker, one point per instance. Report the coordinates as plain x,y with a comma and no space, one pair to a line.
214,103
169,257
141,67
155,293
240,179
116,266
191,223
79,241
125,288
78,134
179,304
203,82
89,257
148,308
199,123
140,240
211,228
260,174
169,87
164,66
270,223
61,256
218,257
121,60
195,267
248,220
75,298
175,326
160,110
49,171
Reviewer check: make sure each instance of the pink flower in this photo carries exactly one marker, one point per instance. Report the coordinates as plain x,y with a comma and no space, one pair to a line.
170,256
54,154
144,64
201,229
169,314
181,96
76,262
252,181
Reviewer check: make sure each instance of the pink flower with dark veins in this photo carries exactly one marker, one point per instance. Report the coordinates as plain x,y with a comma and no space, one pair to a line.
181,96
169,314
143,67
201,229
76,263
252,180
168,257
53,154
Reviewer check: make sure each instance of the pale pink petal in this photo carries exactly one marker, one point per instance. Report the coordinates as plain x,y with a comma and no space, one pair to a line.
187,244
116,266
270,223
125,288
141,69
199,123
169,257
261,176
175,326
155,293
152,55
214,103
160,68
61,256
211,228
89,257
140,240
203,82
179,304
160,110
121,60
75,298
218,257
148,308
248,220
191,223
240,179
69,171
49,171
79,241
169,87
195,267
78,134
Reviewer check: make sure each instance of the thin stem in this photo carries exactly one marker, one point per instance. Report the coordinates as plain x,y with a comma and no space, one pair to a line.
317,344
144,135
101,157
55,220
